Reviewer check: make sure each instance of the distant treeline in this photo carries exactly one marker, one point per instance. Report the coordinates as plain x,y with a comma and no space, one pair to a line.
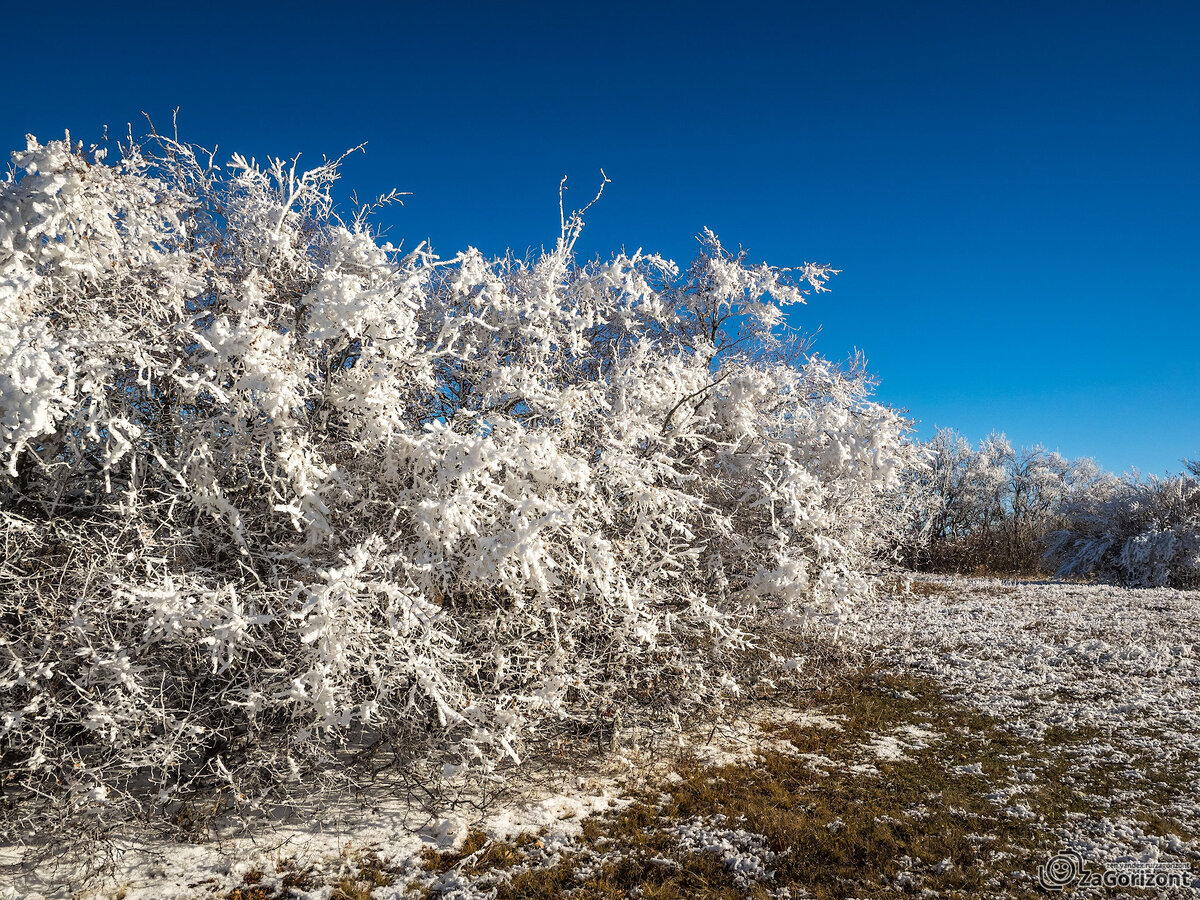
996,509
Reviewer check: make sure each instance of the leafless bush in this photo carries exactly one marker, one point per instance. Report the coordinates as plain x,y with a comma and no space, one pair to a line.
282,501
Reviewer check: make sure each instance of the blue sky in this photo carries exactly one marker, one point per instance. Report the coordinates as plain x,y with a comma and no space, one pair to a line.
1010,190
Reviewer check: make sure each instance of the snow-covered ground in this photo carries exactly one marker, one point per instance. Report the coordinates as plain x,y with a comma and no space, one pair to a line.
1118,670
1122,666
399,831
1048,653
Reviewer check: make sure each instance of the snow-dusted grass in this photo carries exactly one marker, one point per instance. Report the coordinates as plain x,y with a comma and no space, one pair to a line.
1115,669
989,724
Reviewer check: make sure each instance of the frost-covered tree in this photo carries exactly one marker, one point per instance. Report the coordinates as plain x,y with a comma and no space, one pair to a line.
1141,533
275,490
991,507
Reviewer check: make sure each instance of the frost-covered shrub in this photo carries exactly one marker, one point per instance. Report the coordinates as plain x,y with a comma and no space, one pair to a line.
277,494
1134,532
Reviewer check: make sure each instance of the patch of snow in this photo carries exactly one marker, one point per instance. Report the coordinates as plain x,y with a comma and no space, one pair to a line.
745,854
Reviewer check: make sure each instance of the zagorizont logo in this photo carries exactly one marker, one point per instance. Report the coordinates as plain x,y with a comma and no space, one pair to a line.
1066,869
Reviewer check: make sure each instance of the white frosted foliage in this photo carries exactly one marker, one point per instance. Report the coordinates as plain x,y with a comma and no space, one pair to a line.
276,490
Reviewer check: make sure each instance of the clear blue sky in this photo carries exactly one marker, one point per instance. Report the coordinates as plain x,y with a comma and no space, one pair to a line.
1011,190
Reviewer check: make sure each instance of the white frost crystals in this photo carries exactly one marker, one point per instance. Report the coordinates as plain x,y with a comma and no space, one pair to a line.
276,491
